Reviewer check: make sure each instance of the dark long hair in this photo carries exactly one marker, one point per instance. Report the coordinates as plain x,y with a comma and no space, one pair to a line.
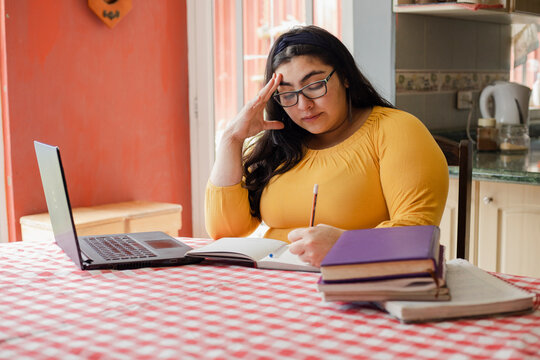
277,151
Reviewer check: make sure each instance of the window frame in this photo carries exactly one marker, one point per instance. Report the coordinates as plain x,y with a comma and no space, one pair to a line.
201,108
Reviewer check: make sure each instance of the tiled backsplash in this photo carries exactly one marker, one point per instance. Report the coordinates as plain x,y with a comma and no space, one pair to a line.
415,81
436,57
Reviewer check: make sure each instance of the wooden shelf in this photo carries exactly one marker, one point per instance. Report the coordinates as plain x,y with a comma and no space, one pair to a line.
124,217
469,12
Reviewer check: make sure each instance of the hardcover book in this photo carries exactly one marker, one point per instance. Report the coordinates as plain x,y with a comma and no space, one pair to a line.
404,288
381,253
405,284
411,293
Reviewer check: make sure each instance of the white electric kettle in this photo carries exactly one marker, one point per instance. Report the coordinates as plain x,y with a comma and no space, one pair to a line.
511,101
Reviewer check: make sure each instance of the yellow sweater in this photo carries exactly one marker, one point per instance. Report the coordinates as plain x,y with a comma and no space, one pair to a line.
390,172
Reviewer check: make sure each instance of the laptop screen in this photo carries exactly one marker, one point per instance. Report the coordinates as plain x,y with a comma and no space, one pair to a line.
54,186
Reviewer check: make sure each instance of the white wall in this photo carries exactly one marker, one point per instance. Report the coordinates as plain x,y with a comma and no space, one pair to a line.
374,44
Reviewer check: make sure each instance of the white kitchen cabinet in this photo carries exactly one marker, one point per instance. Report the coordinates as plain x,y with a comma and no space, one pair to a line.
509,228
504,225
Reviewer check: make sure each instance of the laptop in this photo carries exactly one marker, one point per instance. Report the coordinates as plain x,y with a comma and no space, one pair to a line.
115,251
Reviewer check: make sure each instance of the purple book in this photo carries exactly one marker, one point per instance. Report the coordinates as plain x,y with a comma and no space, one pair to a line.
383,252
440,274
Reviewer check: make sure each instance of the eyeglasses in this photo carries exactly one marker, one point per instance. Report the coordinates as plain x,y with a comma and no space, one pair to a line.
312,91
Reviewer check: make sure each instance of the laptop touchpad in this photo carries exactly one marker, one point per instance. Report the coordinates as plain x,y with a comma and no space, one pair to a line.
163,244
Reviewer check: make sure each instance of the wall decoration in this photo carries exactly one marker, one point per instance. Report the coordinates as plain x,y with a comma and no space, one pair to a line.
110,11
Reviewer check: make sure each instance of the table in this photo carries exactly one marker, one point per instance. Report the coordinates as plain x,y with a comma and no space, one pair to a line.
51,310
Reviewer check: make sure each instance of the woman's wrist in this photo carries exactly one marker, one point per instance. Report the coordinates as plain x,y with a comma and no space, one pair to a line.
227,169
231,139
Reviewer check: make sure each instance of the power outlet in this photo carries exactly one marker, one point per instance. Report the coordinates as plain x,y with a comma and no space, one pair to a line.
464,100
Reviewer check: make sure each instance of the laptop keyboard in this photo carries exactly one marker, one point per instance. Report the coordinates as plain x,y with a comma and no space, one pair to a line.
118,247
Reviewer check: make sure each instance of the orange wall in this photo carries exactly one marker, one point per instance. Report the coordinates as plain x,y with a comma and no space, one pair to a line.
114,100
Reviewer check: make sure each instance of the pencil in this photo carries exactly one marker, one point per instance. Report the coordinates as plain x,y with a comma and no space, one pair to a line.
315,192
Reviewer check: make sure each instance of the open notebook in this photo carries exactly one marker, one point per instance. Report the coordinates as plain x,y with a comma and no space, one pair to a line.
261,252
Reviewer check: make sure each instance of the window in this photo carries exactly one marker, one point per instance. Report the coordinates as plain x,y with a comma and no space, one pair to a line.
525,59
239,58
228,44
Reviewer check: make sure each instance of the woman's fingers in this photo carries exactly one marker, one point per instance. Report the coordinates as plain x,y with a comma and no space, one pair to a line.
313,243
251,120
259,102
273,85
296,234
268,90
296,248
273,125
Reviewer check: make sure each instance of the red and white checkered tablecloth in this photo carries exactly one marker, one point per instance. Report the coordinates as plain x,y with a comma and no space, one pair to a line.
51,310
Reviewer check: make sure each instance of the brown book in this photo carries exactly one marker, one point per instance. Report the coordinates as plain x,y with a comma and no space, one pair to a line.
435,294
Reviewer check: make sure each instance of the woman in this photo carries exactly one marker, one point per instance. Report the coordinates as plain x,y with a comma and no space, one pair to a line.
375,166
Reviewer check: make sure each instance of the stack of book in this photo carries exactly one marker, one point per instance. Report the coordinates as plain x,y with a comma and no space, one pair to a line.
382,264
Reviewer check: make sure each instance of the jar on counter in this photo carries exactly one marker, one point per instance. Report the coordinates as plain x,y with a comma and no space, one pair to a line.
514,138
487,135
518,161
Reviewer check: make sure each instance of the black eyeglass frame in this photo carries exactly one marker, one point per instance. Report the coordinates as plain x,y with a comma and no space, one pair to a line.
297,92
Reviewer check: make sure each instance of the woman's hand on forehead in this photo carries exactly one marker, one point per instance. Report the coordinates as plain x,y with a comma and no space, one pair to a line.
250,120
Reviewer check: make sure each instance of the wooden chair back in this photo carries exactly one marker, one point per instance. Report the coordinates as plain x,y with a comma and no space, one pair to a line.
460,154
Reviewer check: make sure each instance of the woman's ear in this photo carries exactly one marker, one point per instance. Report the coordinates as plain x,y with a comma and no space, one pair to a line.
346,83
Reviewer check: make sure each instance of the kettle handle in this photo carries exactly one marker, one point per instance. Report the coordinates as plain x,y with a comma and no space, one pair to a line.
483,101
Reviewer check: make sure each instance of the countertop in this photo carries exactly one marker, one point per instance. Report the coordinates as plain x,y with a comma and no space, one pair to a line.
513,168
505,167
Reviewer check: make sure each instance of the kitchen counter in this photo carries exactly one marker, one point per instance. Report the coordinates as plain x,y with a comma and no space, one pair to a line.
506,167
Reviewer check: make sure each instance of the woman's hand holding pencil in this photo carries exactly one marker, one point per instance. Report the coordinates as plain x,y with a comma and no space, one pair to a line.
312,243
